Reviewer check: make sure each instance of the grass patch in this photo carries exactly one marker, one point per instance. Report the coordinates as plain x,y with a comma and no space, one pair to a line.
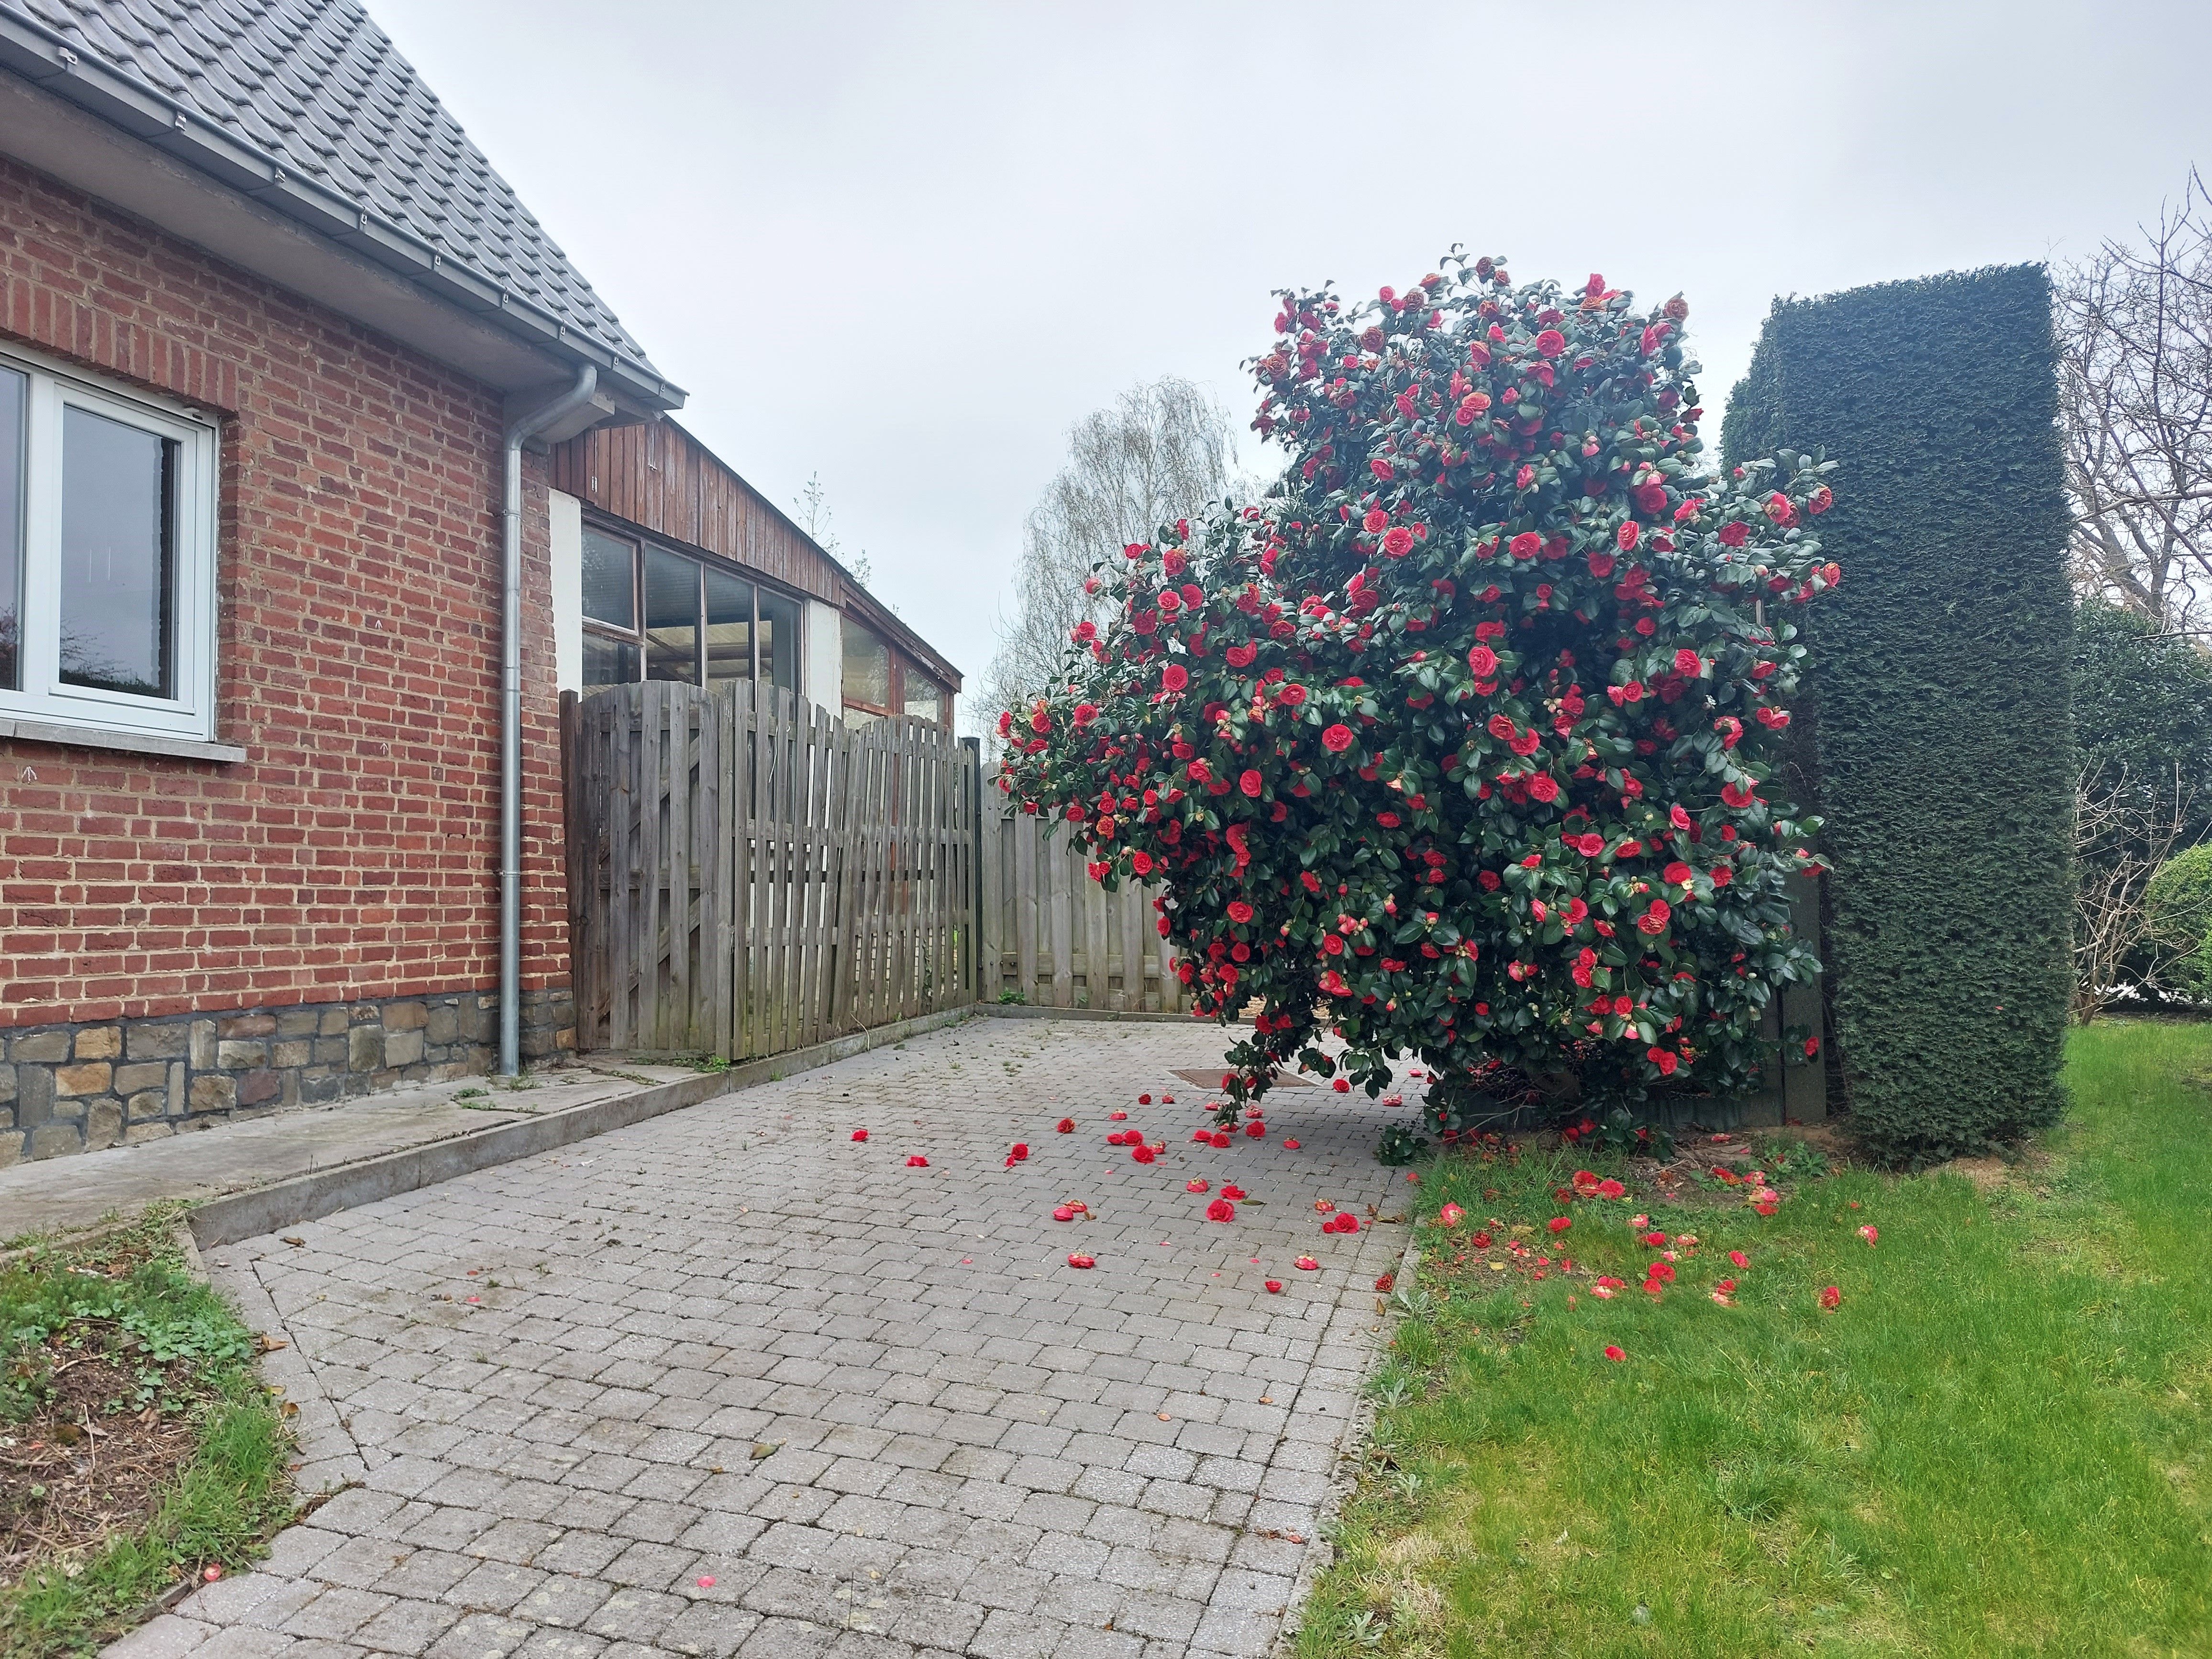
1995,1444
136,1446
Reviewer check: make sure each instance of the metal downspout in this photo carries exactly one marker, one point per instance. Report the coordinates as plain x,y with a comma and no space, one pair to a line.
510,720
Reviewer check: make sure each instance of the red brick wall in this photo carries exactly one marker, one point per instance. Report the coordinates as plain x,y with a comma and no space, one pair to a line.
353,854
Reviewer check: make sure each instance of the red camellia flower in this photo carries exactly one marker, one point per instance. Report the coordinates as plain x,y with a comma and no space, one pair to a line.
916,1161
1239,912
1737,1258
1221,1210
1526,545
1482,662
1559,1224
1615,1353
1688,664
1831,1298
1450,1215
1078,1259
1611,1189
1337,738
1065,1126
1175,677
860,1134
1551,343
1307,1264
1398,542
1274,1286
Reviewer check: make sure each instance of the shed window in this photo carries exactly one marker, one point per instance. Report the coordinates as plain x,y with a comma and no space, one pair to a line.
924,697
867,669
653,613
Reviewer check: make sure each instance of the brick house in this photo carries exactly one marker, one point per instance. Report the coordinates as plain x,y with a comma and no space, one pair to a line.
270,328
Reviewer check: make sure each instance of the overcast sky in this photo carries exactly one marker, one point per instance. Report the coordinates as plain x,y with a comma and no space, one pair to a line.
906,246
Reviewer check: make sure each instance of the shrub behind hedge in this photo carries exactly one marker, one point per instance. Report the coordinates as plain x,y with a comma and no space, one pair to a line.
1936,728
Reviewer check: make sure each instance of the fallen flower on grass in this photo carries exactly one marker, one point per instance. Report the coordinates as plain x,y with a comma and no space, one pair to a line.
1869,1233
1077,1259
1451,1215
212,1574
1831,1298
1306,1264
1611,1189
1559,1224
1654,1240
1615,1352
1739,1259
860,1134
1480,1241
916,1161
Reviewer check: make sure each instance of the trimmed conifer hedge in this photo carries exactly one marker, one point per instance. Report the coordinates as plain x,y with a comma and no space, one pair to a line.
1935,726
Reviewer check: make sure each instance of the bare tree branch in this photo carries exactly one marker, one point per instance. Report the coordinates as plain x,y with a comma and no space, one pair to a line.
1158,454
2134,327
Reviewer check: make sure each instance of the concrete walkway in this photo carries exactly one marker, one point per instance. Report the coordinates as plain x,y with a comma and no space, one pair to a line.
729,1382
68,1195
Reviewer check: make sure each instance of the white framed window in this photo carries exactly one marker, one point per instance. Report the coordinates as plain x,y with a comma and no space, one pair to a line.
107,552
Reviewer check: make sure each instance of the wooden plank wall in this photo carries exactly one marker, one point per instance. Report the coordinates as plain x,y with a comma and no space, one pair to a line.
1058,939
748,876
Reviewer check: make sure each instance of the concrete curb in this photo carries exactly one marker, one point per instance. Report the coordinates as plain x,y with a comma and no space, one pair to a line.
234,1216
1037,1011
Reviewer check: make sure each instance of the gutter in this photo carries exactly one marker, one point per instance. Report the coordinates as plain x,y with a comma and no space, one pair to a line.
510,716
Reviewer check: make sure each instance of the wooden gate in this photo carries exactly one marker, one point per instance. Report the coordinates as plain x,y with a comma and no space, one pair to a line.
747,875
1053,937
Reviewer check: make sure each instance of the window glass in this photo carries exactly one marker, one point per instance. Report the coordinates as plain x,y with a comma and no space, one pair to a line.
671,616
610,585
729,627
608,662
867,667
779,629
118,556
925,698
14,399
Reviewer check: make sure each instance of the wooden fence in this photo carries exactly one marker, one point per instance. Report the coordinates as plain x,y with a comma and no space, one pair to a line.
1056,938
747,875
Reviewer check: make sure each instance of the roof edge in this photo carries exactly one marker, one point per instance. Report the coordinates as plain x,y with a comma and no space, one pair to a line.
38,54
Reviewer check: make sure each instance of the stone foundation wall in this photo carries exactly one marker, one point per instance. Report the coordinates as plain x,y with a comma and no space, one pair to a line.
78,1087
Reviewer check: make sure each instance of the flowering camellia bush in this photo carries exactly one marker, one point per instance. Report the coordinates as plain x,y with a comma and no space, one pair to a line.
1460,742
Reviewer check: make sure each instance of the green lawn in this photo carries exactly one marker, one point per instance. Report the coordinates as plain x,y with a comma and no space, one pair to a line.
1996,1444
136,1447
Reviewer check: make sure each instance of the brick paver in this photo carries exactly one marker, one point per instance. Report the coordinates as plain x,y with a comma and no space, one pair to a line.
730,1382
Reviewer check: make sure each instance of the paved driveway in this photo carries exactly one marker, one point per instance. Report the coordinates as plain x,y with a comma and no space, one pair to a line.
730,1381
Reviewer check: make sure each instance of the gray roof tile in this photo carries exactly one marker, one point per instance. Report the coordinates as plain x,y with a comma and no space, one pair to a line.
321,87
